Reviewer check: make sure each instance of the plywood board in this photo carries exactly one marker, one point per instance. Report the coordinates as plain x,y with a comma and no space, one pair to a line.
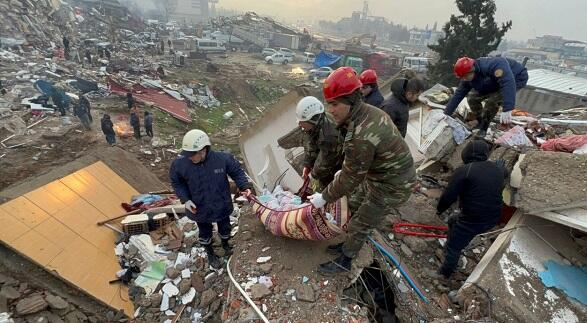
55,226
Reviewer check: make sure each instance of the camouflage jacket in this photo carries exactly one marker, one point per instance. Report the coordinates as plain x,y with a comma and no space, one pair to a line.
323,150
375,152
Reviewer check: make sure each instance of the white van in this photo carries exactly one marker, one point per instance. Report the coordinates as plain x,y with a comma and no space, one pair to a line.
209,46
309,58
417,64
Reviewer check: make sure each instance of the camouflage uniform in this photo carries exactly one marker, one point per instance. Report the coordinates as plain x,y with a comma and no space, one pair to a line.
377,161
492,103
323,152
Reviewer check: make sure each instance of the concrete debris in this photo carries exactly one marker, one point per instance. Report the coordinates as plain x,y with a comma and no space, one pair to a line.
551,181
31,305
56,302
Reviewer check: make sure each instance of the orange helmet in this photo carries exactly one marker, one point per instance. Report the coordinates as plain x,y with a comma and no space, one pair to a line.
463,66
368,77
343,81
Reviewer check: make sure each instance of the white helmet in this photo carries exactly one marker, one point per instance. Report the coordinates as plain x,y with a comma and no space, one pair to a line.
195,140
308,107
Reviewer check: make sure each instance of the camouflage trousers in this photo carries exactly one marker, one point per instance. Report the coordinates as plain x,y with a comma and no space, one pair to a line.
370,204
485,114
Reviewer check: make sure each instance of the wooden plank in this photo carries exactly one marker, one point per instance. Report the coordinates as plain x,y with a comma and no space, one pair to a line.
61,192
577,213
42,198
121,300
35,246
25,211
10,227
56,232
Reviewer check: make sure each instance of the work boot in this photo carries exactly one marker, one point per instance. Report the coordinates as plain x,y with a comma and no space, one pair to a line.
338,265
335,249
227,248
213,260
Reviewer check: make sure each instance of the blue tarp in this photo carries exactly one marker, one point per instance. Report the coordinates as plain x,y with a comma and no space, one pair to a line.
571,280
326,59
50,90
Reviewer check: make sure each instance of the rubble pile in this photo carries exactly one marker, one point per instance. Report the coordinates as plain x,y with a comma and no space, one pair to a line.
169,275
34,22
279,276
21,302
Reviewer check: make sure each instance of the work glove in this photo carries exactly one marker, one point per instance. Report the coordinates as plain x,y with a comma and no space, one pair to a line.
317,200
247,193
306,172
191,206
505,117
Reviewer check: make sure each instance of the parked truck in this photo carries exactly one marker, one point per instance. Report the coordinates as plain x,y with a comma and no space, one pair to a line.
285,40
255,41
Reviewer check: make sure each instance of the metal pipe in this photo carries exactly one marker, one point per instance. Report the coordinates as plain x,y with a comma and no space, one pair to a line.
246,297
401,269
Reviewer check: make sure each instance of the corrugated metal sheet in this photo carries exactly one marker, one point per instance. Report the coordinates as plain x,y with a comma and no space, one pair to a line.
553,81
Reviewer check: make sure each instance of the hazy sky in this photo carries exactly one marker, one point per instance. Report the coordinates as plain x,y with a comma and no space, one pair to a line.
530,17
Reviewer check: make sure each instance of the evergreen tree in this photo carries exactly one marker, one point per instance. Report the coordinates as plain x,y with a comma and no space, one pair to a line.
474,33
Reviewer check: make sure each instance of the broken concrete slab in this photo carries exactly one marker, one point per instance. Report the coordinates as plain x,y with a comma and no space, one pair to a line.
552,181
510,271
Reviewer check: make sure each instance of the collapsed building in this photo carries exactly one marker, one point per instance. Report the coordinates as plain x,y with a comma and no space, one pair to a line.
71,224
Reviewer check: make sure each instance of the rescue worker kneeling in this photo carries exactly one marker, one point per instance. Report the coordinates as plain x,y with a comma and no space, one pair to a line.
199,178
478,186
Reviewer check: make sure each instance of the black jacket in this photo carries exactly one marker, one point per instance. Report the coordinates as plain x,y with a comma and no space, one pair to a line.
397,106
478,185
148,121
107,126
374,98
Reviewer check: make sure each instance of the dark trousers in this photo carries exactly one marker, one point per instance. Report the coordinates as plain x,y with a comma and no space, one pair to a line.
149,131
205,231
111,139
484,114
460,233
137,131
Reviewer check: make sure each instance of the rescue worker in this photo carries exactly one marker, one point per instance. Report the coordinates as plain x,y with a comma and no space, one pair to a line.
478,186
108,129
405,93
135,122
199,179
370,89
494,80
322,143
377,166
149,124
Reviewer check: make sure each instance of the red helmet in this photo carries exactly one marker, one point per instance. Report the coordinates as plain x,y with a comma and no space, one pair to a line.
463,66
368,77
343,81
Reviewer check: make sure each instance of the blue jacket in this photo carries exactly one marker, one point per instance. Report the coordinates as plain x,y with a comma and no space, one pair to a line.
148,121
374,98
206,184
493,74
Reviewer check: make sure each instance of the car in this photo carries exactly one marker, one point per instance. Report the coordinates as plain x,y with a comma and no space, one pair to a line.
287,52
268,52
321,72
309,58
277,58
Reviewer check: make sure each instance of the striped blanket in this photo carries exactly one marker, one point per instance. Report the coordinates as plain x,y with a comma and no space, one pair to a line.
306,222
